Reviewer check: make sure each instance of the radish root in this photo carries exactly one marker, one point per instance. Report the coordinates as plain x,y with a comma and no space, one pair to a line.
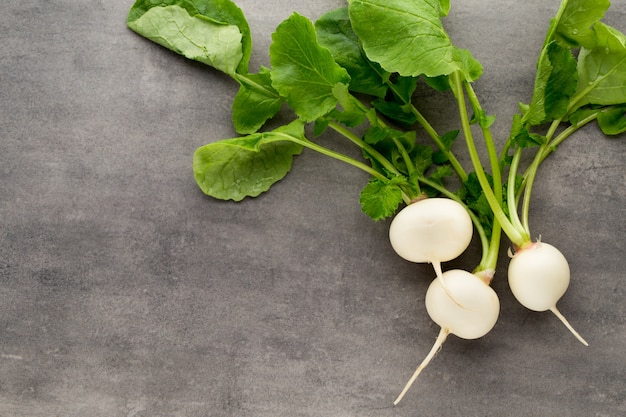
439,273
569,326
443,334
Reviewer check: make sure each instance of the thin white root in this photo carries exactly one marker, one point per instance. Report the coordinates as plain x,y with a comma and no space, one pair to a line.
569,326
439,273
443,334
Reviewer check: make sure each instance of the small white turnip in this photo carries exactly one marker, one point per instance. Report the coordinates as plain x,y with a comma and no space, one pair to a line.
432,230
538,277
472,312
466,307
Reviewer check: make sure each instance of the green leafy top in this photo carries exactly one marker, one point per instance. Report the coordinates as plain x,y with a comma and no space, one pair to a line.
356,71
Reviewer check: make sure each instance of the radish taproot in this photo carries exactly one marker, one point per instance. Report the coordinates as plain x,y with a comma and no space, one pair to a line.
539,275
466,307
431,230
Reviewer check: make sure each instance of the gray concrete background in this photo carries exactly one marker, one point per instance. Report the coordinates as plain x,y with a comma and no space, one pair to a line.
126,292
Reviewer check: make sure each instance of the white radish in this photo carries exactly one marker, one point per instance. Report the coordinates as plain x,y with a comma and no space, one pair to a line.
474,310
538,277
432,230
466,307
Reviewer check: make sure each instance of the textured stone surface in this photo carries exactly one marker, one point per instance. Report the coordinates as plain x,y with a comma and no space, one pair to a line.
126,292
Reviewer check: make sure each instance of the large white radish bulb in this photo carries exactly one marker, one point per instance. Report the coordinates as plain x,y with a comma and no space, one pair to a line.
469,308
432,230
538,277
466,306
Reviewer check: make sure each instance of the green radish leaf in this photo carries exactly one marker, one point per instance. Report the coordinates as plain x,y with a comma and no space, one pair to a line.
379,199
398,107
395,111
233,169
423,157
522,137
602,69
407,37
374,135
561,83
440,157
404,87
449,137
334,32
214,32
437,176
472,194
483,119
444,7
440,83
471,187
440,173
320,125
555,83
304,72
255,102
351,111
612,121
387,147
574,28
579,115
383,140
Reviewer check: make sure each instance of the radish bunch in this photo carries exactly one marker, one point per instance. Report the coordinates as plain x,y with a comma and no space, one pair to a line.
354,72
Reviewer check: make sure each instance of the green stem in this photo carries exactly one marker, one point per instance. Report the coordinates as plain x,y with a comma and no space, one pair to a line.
254,86
494,161
489,142
567,133
456,165
511,197
516,236
412,172
530,180
555,20
546,149
378,156
364,146
552,129
505,153
490,259
432,133
336,155
543,152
